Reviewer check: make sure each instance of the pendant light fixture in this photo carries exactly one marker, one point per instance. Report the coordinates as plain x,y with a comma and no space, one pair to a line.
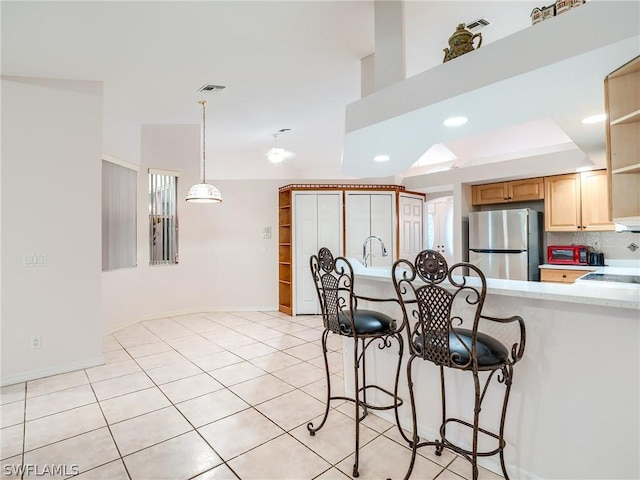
203,192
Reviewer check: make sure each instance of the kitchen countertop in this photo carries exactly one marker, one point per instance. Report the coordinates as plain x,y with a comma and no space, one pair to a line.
586,268
612,266
609,294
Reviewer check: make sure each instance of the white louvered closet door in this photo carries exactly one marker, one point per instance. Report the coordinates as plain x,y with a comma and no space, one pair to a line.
317,223
370,214
382,226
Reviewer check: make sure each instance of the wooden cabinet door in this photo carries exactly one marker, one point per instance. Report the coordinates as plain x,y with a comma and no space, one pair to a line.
560,275
562,203
524,190
594,196
490,193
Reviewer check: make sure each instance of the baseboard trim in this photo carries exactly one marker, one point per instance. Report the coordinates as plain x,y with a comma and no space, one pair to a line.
187,311
49,371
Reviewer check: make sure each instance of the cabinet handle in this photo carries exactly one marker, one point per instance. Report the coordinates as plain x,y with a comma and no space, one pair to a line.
506,198
564,276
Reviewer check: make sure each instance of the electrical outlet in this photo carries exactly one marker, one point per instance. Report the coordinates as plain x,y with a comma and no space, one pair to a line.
35,342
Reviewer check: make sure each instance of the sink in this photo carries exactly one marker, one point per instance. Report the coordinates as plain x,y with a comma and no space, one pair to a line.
609,277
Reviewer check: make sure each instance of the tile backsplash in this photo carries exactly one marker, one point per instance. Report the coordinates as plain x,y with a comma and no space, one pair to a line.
612,244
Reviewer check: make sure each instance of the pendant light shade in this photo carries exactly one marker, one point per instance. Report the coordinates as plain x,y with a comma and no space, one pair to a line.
203,192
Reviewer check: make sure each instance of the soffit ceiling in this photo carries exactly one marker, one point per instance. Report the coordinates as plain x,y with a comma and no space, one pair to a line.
285,65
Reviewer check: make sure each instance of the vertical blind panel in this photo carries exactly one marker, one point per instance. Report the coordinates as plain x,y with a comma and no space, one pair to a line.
118,216
163,227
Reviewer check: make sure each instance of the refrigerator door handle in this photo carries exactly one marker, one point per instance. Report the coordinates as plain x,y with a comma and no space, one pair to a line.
489,250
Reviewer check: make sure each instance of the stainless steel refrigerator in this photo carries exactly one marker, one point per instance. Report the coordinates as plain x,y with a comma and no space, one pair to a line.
506,243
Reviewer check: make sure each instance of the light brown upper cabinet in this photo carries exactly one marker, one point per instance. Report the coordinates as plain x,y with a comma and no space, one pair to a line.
577,201
622,101
505,192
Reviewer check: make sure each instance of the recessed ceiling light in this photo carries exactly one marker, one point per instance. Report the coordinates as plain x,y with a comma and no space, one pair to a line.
455,121
381,158
594,119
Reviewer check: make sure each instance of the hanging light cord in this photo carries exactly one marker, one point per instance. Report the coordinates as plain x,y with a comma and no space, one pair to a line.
204,141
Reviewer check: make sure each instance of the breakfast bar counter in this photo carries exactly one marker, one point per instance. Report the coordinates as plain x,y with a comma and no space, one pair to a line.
573,412
593,293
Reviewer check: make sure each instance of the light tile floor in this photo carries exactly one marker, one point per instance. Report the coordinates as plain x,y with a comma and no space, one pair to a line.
207,396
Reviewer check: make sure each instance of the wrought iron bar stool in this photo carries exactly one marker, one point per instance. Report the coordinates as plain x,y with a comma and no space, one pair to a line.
434,313
341,316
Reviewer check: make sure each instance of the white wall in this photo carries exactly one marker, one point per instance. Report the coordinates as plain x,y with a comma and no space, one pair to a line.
614,245
224,261
145,291
51,147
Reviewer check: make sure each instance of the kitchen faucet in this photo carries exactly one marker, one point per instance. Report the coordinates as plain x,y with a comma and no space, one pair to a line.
364,248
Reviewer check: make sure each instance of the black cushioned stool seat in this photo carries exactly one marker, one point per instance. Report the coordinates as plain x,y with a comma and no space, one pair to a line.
490,350
367,322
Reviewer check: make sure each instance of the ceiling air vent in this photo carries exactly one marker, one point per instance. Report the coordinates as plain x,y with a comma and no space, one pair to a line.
211,88
478,24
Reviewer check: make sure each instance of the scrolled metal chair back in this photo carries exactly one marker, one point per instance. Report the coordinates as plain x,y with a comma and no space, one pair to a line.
333,278
428,307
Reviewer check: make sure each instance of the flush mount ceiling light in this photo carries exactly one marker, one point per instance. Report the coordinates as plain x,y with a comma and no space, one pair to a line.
594,119
455,121
381,158
203,192
277,154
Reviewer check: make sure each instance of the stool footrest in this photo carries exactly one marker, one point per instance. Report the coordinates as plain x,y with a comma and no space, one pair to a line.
463,451
369,406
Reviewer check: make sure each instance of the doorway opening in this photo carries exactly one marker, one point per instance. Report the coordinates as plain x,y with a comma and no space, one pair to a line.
438,230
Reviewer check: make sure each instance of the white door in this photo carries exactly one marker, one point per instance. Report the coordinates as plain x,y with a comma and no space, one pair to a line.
411,219
317,224
439,227
370,214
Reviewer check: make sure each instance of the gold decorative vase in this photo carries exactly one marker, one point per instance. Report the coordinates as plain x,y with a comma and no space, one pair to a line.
461,42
